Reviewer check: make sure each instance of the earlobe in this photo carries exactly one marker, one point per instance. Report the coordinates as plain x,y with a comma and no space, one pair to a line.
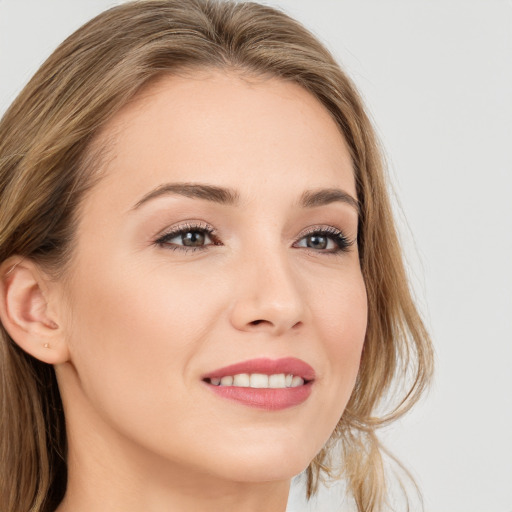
26,314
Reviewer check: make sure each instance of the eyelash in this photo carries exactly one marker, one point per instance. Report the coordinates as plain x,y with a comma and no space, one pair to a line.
162,241
342,242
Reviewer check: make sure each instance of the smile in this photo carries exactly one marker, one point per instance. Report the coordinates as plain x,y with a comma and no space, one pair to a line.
259,380
264,383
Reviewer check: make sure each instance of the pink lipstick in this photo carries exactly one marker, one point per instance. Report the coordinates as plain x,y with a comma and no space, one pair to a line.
271,384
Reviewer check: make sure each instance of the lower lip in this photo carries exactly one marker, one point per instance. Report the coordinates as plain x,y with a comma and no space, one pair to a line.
270,399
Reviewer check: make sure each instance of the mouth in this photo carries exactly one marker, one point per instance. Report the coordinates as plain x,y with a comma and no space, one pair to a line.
270,384
258,381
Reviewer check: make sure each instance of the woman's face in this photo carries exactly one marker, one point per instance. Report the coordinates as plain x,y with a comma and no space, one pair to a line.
223,232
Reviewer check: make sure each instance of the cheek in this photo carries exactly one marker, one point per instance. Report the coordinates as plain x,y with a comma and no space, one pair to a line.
140,325
132,332
342,320
123,301
341,313
133,338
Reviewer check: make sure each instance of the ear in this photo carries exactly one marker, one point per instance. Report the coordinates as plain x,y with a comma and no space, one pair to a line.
26,311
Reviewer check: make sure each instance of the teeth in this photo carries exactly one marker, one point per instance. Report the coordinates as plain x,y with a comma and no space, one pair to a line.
226,381
277,381
242,380
297,381
259,381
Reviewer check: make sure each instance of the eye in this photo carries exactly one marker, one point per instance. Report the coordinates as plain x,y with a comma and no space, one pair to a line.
326,239
187,238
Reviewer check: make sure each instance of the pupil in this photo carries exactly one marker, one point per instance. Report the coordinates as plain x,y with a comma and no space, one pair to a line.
193,238
317,242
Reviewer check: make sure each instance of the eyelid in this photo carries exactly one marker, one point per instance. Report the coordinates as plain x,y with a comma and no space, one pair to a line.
338,237
176,230
320,228
343,242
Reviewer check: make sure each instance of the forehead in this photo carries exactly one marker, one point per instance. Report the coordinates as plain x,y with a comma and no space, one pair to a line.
229,130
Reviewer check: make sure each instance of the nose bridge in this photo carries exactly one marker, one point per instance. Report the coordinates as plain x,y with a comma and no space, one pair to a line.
268,295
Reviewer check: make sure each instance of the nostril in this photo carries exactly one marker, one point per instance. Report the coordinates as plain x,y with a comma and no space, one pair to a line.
256,322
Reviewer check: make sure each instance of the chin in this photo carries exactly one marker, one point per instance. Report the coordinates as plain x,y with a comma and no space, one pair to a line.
266,464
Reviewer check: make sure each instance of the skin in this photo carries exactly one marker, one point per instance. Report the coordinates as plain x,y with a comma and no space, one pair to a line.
140,323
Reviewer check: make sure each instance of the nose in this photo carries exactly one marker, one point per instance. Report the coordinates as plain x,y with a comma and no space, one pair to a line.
268,295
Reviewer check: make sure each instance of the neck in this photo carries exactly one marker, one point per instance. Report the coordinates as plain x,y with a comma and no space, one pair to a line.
112,491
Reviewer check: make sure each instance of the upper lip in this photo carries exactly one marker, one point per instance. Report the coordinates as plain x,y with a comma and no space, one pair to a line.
266,366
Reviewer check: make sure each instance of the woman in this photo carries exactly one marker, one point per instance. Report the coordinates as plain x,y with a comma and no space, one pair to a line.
202,288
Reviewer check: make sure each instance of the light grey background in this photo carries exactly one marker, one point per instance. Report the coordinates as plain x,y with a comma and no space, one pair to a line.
437,77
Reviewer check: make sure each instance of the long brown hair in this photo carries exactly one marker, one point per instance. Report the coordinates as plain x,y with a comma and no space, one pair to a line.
47,166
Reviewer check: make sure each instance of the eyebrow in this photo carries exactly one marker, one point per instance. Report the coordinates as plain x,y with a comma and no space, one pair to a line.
230,197
324,196
212,193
